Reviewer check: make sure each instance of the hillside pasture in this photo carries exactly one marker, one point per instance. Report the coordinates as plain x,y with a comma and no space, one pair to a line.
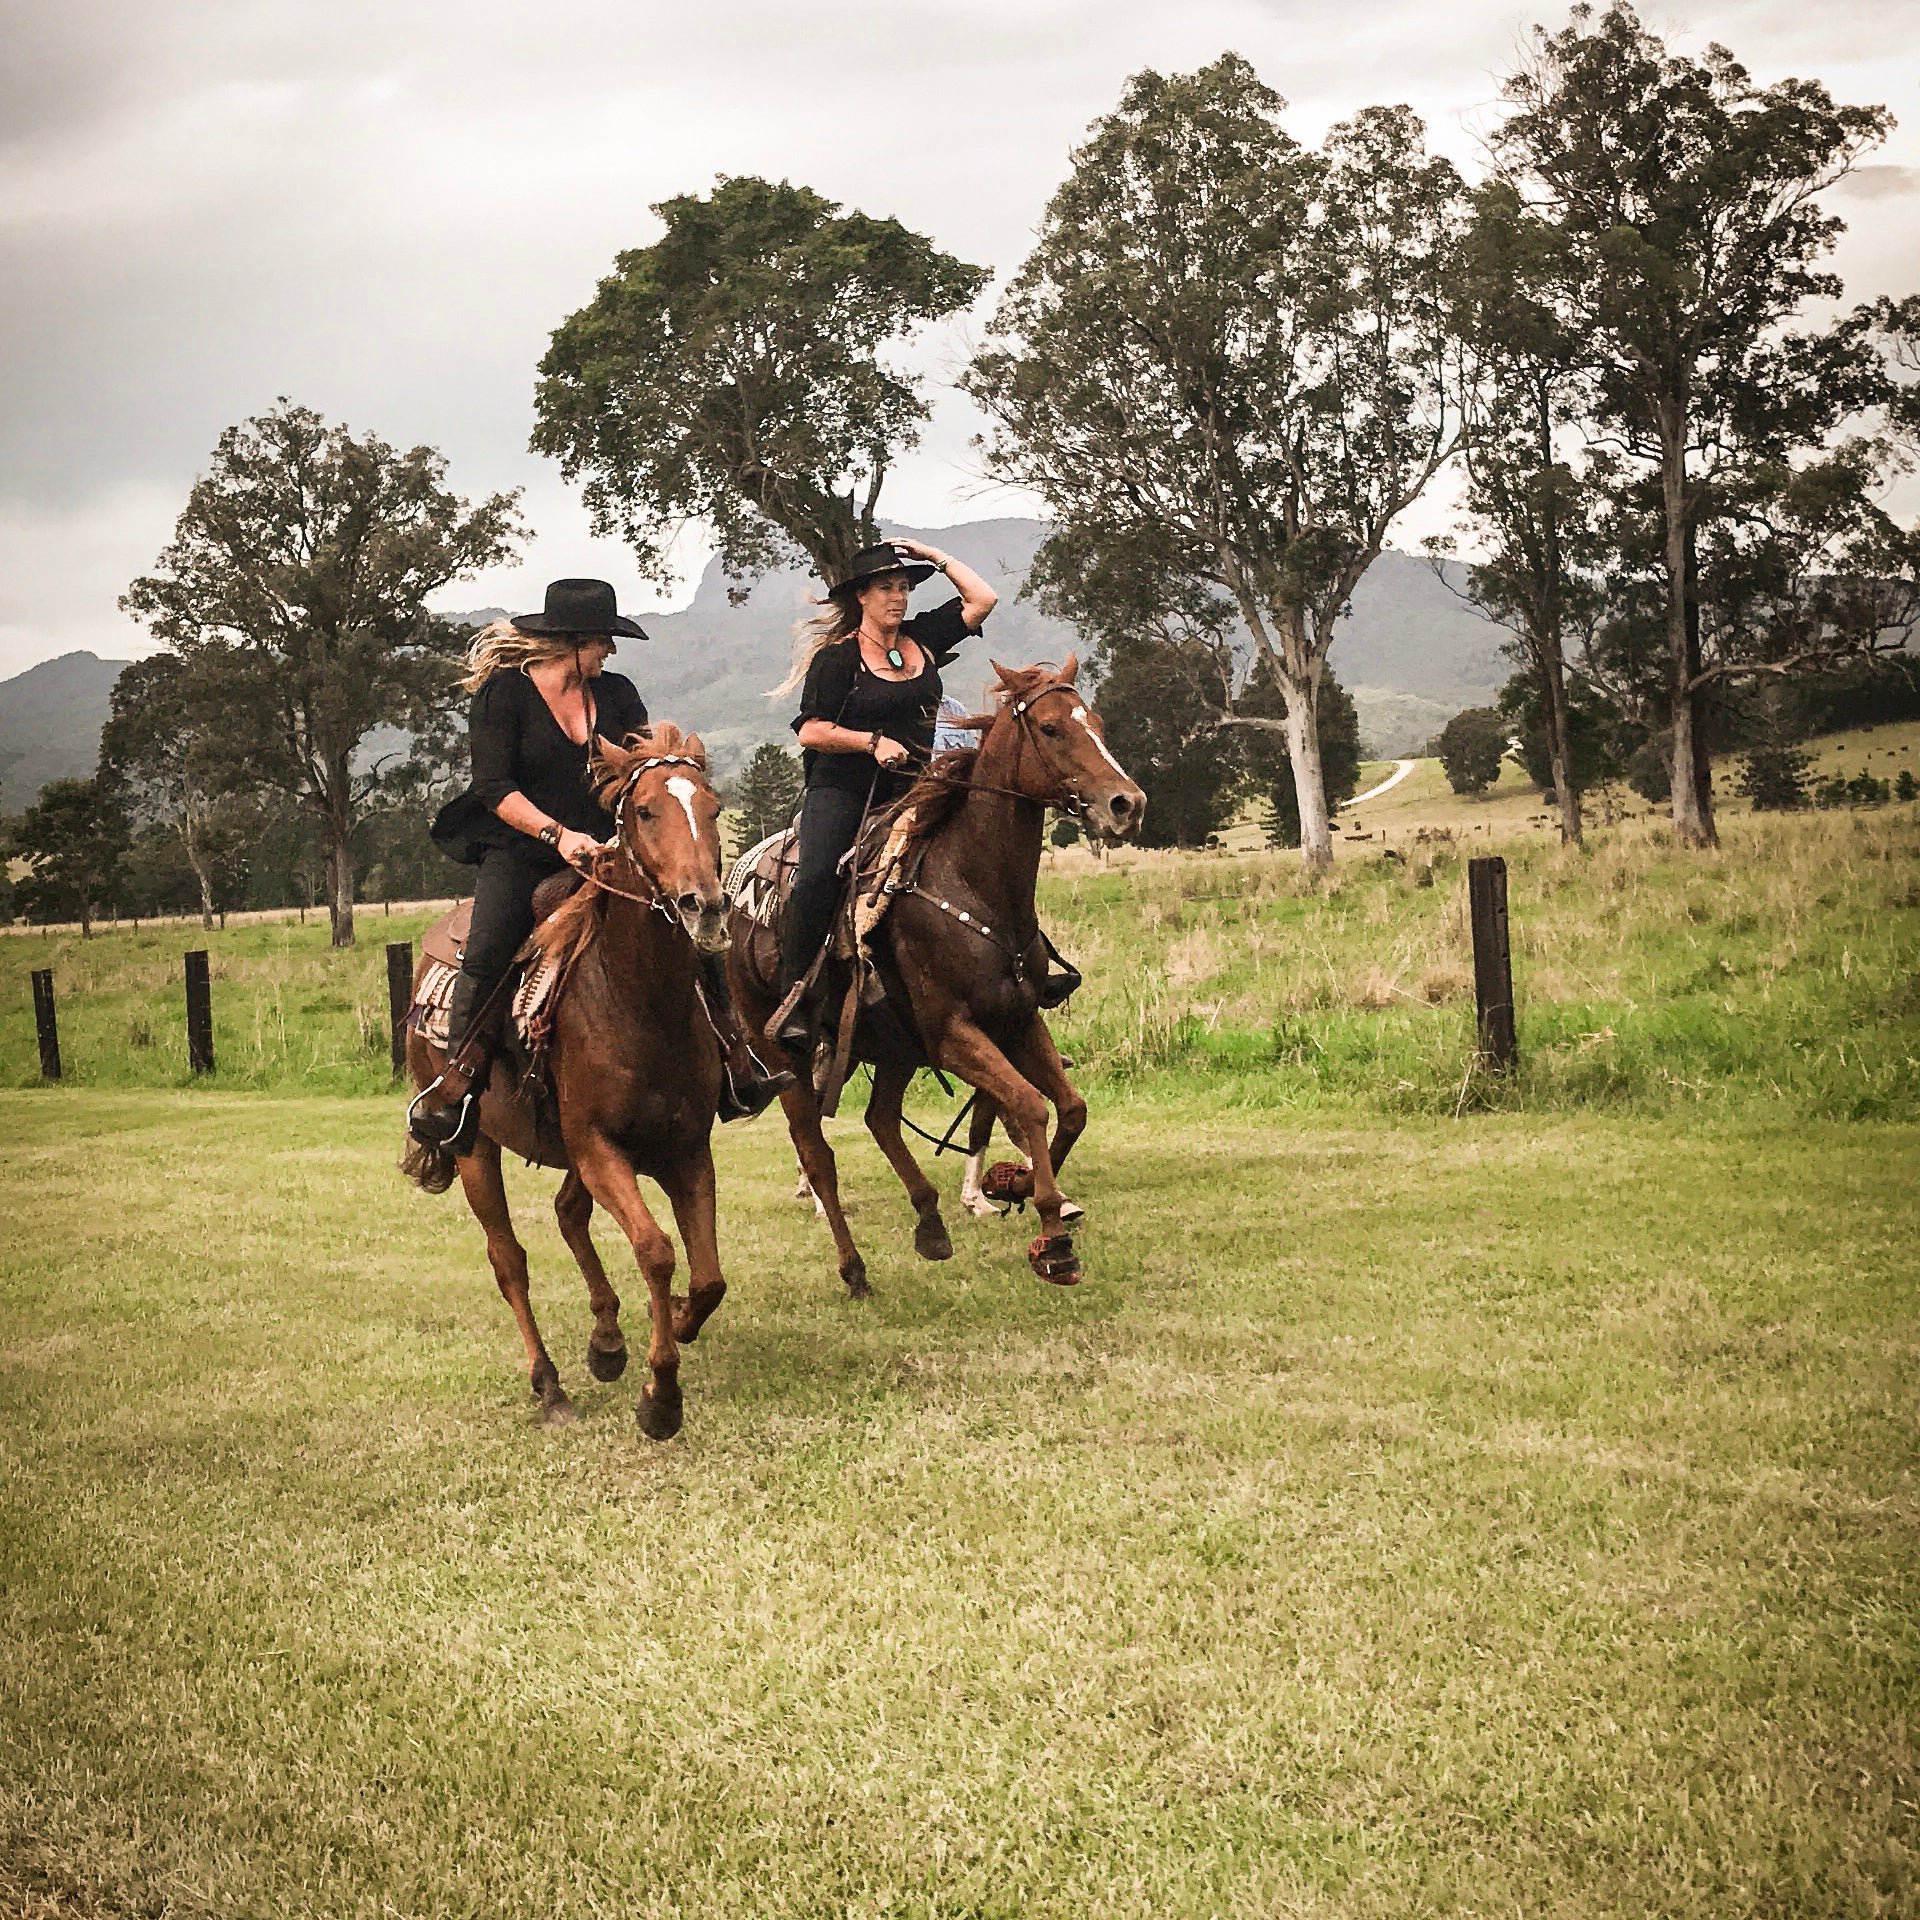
1777,974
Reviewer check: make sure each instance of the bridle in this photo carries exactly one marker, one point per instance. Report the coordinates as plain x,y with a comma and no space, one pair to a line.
623,844
1066,802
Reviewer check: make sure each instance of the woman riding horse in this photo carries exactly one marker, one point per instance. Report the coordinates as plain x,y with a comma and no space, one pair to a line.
870,689
541,698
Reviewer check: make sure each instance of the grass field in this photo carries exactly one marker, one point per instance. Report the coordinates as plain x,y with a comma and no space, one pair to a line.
1443,1496
1502,1517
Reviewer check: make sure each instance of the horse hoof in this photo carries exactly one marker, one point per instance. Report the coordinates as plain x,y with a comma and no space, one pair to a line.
1052,1257
556,1410
658,1412
608,1364
854,1273
1071,1212
930,1239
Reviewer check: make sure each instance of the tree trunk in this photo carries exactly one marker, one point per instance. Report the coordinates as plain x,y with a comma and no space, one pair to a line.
1560,745
339,859
1692,824
1309,779
204,874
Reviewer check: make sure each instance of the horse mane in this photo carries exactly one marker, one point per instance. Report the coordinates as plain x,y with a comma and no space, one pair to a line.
565,933
611,765
938,792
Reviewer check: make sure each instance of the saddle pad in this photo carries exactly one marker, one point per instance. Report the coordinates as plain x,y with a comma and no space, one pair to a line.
433,1001
446,939
761,877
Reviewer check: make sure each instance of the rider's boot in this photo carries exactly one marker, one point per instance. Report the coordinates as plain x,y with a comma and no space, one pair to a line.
747,1084
795,1026
445,1114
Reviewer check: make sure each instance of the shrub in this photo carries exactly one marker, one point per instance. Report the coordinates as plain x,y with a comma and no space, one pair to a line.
1775,779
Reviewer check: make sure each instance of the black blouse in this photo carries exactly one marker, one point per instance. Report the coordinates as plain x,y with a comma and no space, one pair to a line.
518,746
840,689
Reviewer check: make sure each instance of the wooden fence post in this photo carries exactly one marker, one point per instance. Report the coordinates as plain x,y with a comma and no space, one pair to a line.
45,1025
199,1013
1492,961
399,998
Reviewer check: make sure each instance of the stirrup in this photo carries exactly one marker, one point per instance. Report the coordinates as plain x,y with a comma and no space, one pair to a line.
449,1130
760,1092
1008,1184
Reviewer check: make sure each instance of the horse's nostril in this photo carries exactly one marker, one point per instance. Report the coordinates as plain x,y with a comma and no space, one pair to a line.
690,903
1121,805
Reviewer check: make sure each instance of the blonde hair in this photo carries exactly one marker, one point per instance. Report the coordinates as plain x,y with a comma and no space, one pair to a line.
837,620
503,648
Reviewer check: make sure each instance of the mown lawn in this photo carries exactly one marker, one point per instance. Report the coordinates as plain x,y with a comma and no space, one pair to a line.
1408,1516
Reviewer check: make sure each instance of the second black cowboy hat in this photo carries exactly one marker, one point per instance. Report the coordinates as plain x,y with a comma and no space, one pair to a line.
870,562
580,606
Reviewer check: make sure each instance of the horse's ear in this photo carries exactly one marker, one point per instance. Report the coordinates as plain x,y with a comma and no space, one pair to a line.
1069,667
610,764
694,748
1009,676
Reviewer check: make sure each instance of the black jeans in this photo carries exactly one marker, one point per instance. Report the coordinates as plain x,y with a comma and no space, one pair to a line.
503,912
829,820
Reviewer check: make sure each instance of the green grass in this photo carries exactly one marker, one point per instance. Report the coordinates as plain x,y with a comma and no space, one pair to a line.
1506,1516
1776,975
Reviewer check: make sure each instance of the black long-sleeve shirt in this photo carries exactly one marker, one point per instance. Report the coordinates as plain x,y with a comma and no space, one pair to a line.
840,690
517,746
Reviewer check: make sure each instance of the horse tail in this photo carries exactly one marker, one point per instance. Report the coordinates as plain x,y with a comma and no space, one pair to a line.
431,1169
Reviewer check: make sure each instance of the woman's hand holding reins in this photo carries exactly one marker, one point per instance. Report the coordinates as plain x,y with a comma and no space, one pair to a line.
577,849
890,753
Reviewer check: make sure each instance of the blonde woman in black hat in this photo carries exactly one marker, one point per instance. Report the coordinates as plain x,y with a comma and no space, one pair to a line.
870,690
541,699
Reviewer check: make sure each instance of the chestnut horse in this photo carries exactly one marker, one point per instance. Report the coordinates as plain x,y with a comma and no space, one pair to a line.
961,957
635,1074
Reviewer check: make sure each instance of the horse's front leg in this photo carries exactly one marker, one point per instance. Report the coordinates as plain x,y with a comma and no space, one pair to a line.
966,1050
606,1345
609,1177
930,1240
690,1188
1039,1059
486,1194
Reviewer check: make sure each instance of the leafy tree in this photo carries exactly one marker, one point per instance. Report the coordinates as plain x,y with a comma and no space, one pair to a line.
1535,511
294,595
158,753
1906,787
1269,771
1597,739
767,794
1228,367
1679,203
74,836
1774,779
729,374
1471,747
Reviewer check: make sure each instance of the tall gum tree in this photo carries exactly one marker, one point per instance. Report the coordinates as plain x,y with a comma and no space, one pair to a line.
1533,510
294,593
729,376
1682,202
1229,364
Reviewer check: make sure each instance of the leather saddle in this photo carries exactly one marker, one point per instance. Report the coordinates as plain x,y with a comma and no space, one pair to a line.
446,940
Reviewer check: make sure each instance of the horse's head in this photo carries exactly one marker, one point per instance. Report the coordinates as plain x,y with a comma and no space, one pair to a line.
667,822
1064,759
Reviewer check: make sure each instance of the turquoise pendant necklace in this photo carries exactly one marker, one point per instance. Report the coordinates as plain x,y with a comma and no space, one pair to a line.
896,660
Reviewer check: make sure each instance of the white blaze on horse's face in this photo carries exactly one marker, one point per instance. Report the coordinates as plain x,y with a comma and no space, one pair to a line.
1080,714
683,790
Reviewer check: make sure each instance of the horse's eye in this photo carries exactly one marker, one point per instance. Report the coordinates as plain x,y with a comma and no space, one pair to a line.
643,813
1049,729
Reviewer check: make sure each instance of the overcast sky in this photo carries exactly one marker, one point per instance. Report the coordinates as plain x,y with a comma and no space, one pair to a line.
383,211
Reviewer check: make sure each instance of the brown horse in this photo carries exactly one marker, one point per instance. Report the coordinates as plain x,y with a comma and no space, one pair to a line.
635,1074
961,958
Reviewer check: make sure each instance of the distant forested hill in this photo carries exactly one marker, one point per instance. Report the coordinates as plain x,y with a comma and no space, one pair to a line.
1411,654
50,721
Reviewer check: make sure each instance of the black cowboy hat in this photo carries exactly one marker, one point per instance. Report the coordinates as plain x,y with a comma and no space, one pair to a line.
870,562
580,606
